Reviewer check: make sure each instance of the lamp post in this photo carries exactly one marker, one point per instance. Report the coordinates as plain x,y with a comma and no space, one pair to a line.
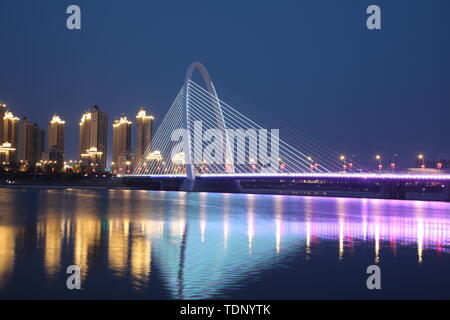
352,162
393,164
421,161
311,163
380,165
344,165
439,164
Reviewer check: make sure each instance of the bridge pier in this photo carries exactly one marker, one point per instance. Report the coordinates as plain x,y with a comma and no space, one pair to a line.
447,191
393,190
211,185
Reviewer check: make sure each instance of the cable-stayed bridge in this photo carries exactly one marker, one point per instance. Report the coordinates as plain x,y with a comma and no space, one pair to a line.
206,142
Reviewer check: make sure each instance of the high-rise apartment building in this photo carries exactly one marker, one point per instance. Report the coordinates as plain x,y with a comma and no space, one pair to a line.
2,115
30,142
144,133
122,155
55,138
94,139
10,136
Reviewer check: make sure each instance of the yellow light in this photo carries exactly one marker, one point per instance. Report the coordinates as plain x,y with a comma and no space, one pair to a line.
9,116
420,156
123,120
93,151
179,158
86,116
155,155
6,146
143,115
378,157
57,120
342,157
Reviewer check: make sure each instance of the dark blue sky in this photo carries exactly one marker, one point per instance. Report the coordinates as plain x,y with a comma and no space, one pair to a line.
312,64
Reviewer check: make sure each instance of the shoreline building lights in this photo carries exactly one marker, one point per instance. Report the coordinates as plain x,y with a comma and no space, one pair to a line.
122,154
155,155
154,158
93,159
94,136
5,150
144,133
179,158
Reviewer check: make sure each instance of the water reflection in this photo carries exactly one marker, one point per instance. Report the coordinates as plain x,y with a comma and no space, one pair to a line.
7,254
202,244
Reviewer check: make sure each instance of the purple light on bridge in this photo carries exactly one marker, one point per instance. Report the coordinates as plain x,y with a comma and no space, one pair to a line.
307,175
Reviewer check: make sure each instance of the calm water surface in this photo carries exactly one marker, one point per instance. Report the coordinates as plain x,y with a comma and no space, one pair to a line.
174,245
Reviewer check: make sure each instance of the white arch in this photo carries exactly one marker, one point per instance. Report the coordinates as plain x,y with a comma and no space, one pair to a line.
217,110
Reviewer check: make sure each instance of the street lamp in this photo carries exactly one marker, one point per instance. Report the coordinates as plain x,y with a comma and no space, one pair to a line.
350,164
380,165
342,158
393,164
311,163
439,164
421,160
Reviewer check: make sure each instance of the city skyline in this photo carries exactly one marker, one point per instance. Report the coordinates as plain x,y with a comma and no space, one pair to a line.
29,143
144,132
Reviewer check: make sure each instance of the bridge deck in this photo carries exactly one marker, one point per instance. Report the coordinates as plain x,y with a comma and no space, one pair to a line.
316,176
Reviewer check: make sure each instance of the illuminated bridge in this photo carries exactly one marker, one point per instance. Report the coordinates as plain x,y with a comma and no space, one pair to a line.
208,145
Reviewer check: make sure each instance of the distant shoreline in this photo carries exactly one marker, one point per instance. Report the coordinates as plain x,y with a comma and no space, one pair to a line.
24,186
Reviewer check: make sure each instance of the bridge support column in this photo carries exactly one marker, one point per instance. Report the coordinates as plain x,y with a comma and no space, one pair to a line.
447,191
393,190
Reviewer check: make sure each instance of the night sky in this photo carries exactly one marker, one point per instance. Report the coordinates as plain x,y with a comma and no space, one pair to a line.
313,65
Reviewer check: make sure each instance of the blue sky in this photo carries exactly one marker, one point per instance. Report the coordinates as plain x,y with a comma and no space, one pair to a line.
313,65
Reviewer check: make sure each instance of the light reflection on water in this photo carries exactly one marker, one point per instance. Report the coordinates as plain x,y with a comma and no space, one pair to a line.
196,245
